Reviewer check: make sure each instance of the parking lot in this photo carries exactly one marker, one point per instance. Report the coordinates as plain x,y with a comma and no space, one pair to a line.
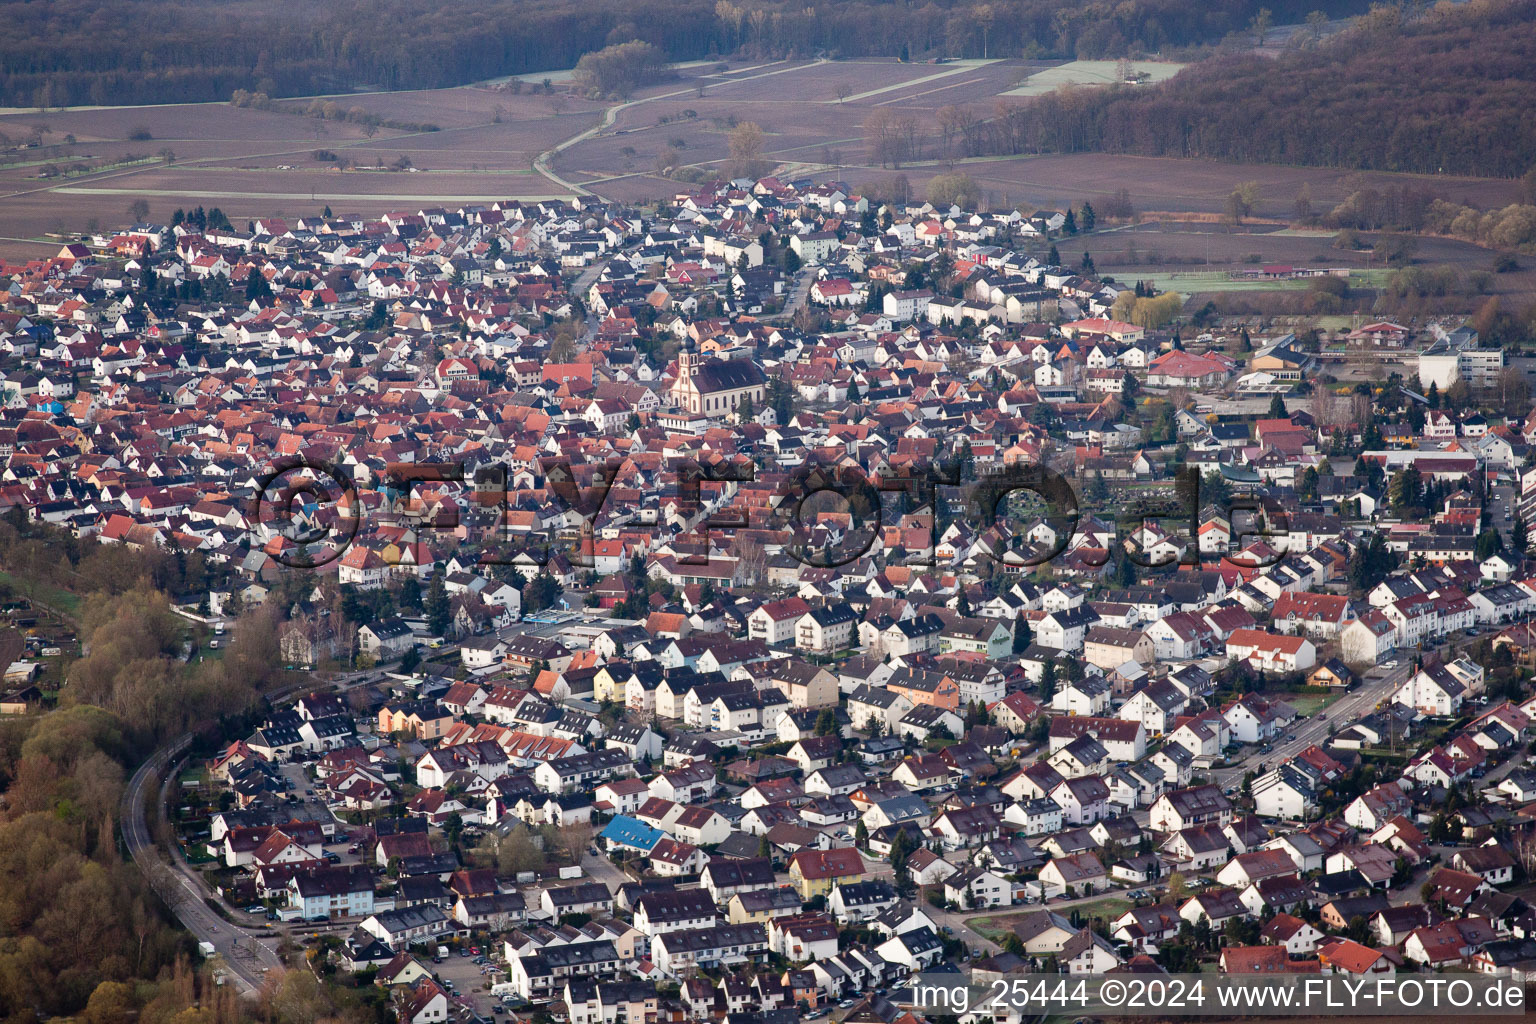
469,983
313,808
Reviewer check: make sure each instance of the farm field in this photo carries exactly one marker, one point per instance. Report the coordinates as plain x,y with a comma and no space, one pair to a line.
263,162
255,163
1195,258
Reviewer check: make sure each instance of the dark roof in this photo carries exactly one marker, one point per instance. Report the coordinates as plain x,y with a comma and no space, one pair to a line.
727,375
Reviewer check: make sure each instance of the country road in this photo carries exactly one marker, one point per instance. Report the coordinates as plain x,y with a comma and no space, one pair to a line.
543,163
246,953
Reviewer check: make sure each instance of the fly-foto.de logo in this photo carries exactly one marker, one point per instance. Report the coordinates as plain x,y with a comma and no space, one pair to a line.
308,513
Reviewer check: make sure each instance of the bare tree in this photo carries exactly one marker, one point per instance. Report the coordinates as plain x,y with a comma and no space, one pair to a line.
746,149
167,886
984,16
1524,849
880,129
844,90
572,839
1302,208
910,131
957,129
945,117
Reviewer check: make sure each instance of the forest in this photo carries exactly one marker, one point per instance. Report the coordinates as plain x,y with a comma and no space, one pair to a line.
1442,90
70,52
81,933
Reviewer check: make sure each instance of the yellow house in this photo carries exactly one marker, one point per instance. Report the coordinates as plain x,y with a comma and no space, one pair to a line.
815,872
404,970
763,905
605,688
423,719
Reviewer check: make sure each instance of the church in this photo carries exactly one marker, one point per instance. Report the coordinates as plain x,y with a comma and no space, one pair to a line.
716,387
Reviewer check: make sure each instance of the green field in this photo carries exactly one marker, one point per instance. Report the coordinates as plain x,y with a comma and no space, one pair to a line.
1089,72
995,926
1190,282
1108,908
1311,703
56,597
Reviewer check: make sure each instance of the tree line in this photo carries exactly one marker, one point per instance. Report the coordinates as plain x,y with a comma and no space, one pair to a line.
93,52
88,52
82,933
1395,92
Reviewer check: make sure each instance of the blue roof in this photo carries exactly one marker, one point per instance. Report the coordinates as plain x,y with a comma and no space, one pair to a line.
632,832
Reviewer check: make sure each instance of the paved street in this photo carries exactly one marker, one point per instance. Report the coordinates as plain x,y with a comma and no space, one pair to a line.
246,950
1377,687
579,288
799,293
244,955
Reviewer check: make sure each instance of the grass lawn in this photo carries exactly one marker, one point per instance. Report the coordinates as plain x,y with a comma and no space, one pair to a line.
57,597
1310,703
995,926
1108,908
1191,282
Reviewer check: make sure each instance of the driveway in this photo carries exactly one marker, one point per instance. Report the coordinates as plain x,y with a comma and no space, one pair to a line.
601,869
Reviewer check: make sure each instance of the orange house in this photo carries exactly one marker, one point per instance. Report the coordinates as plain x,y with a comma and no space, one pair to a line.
921,686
